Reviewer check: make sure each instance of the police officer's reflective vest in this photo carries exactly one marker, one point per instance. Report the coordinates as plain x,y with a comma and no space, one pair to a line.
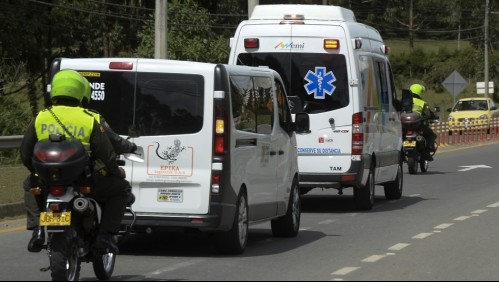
418,105
79,124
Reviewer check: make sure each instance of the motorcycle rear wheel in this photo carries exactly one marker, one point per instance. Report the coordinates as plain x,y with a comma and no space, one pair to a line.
103,265
65,262
412,163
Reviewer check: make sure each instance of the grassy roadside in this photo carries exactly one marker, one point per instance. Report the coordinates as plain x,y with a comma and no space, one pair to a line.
11,184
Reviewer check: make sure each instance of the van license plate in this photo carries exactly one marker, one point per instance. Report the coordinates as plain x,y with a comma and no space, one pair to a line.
170,196
55,219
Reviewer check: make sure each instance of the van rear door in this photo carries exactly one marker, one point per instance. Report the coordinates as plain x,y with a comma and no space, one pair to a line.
173,116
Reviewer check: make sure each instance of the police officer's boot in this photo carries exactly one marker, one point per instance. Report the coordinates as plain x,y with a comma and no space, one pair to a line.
37,240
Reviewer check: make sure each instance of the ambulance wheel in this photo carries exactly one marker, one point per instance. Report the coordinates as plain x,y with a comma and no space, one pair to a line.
393,190
364,196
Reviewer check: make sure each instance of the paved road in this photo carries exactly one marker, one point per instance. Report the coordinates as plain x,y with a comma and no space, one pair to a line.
445,228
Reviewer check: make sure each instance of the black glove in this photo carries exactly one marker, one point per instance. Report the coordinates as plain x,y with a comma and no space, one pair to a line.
35,181
134,148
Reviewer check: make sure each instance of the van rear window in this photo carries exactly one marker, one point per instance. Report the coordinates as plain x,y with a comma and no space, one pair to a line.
320,81
158,103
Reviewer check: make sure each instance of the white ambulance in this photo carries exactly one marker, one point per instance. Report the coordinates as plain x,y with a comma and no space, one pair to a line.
219,144
338,71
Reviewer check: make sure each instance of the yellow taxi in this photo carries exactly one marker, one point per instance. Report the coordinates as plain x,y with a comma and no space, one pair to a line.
472,113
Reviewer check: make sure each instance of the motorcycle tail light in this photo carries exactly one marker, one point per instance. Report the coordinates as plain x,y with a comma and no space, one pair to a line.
54,207
57,191
410,132
85,190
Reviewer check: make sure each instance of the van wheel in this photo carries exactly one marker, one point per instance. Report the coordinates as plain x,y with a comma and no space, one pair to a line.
364,196
289,225
393,190
234,241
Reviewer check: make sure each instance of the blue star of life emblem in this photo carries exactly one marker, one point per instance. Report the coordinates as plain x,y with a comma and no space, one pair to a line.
320,83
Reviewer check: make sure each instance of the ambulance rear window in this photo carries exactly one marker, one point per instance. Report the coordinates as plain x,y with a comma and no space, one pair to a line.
319,80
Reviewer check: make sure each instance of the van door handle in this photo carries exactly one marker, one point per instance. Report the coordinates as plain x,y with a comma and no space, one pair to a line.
273,153
281,152
250,142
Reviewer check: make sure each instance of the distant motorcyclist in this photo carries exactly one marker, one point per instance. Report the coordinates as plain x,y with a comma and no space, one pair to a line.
67,91
421,107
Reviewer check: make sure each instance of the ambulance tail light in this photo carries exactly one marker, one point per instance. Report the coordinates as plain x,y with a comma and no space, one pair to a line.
121,66
331,44
357,134
251,43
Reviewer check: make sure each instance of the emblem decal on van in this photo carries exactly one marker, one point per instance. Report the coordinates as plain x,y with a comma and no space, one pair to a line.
171,153
290,45
320,83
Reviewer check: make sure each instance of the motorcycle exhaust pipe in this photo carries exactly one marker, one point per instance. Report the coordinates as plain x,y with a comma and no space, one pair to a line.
83,206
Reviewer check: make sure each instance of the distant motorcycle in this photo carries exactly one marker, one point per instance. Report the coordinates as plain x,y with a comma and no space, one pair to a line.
71,219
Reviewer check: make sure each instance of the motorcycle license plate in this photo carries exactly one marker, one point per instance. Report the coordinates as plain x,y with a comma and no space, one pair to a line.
55,219
410,144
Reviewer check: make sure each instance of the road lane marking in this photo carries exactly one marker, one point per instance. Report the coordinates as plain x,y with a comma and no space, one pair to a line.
398,247
14,229
374,258
167,269
444,226
496,205
345,271
329,221
479,212
414,195
462,218
422,236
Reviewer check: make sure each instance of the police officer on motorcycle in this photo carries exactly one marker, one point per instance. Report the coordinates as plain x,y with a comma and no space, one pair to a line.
66,117
421,107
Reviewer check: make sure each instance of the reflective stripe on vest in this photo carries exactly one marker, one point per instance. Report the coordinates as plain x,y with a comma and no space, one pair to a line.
76,121
418,106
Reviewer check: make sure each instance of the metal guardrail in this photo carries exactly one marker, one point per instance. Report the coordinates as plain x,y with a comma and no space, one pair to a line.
10,142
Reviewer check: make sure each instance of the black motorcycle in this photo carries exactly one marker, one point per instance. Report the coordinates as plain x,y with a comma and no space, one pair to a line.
71,218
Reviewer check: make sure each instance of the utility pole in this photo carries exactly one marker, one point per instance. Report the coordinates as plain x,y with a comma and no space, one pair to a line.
486,71
161,29
251,6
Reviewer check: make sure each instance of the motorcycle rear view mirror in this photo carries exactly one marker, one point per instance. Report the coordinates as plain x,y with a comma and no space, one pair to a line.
137,157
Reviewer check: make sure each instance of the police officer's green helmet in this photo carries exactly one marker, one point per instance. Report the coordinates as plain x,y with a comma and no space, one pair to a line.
418,90
88,91
67,84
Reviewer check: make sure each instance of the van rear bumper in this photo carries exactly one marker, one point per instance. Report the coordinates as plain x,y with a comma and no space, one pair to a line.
217,220
355,177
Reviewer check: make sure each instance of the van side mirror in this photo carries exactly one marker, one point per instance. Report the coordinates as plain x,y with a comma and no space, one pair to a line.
295,104
407,101
302,123
397,105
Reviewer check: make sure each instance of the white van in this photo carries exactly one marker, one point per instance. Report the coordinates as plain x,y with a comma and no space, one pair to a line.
219,144
338,71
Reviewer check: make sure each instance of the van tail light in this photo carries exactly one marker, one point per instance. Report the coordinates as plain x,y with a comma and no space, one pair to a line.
357,134
57,191
215,184
251,43
220,130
